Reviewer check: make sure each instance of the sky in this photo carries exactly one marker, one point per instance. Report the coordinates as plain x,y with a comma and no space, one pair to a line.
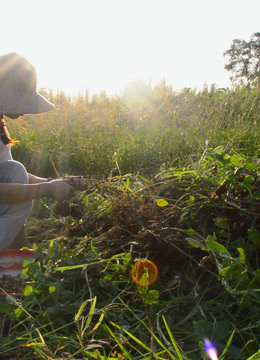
96,45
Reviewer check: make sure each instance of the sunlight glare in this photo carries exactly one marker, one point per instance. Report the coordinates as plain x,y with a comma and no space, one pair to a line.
105,45
210,350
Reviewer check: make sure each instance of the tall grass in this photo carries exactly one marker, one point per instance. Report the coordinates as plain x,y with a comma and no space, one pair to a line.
141,134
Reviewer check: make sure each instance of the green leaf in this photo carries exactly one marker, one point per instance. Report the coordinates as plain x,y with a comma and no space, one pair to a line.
72,267
82,307
255,356
236,160
172,340
226,157
27,262
138,341
119,343
52,289
18,312
249,179
27,290
191,198
223,272
143,178
91,313
242,255
214,246
127,259
219,149
227,345
221,330
196,244
162,202
251,166
151,297
24,273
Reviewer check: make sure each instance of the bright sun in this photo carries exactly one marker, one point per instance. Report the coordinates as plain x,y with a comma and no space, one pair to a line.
105,45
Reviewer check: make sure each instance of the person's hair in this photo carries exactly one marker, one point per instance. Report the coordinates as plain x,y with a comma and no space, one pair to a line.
4,133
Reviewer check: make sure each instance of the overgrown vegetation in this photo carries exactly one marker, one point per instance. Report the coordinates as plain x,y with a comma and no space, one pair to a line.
173,178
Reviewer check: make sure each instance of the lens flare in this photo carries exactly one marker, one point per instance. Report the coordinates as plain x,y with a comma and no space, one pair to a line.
210,350
144,273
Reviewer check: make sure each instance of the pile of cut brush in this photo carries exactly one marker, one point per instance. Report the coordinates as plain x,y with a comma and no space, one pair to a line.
166,218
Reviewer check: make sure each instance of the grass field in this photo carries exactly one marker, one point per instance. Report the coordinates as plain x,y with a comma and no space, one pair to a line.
172,178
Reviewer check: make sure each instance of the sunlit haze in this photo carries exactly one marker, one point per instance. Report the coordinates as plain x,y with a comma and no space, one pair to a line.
106,44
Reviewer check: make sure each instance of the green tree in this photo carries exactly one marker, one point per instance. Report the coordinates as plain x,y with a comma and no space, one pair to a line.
244,59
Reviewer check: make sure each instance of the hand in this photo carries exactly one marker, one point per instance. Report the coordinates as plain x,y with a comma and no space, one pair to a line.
76,182
60,190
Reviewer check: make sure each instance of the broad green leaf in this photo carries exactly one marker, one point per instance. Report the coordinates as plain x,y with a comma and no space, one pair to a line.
196,243
162,202
251,166
151,297
18,312
226,156
27,290
219,149
236,160
24,273
52,289
27,262
223,272
191,198
221,330
217,247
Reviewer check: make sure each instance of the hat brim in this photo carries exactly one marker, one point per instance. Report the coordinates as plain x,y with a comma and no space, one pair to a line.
37,104
28,103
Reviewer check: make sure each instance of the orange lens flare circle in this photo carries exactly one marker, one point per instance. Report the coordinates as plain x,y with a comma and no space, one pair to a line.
144,272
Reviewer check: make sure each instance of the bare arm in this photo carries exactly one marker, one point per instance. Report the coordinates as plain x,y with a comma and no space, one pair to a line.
36,179
16,193
75,181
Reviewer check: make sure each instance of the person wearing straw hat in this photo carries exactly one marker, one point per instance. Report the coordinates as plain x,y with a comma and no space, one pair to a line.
18,96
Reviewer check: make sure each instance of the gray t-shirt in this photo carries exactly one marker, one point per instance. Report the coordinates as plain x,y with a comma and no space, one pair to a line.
12,215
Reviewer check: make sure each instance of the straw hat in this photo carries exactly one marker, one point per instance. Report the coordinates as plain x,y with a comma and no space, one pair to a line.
18,93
